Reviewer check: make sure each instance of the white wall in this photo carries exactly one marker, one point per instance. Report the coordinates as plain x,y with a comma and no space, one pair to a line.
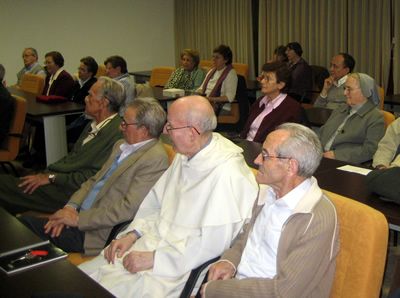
141,31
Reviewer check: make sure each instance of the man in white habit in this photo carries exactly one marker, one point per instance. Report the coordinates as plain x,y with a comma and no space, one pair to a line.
192,214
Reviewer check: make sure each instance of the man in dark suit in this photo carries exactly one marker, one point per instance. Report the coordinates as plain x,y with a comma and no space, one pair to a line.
51,189
86,78
115,193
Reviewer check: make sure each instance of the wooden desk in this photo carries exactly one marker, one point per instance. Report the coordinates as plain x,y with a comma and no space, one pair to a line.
158,94
59,277
53,118
14,234
392,100
354,186
348,184
141,76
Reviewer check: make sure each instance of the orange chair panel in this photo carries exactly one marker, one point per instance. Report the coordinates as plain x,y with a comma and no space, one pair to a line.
160,75
388,118
17,125
32,83
363,243
101,71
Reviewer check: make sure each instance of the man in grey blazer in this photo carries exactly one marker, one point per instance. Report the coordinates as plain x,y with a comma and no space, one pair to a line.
289,247
115,193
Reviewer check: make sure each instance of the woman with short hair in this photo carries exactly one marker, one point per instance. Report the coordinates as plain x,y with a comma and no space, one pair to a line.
188,76
221,81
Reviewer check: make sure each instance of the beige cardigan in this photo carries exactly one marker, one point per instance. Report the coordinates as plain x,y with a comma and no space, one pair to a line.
306,254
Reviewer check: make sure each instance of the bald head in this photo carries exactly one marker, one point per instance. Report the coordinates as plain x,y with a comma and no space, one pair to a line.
195,110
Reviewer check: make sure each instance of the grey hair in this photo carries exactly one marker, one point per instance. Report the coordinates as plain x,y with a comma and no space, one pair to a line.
34,52
302,145
149,114
113,91
2,72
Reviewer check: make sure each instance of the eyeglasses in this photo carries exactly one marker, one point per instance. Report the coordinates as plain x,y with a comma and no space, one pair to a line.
266,156
266,77
349,89
124,124
169,127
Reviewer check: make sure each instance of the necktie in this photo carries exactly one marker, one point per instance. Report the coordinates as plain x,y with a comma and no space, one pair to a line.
89,200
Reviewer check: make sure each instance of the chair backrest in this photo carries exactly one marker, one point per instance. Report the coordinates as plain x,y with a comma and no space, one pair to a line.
381,93
32,83
363,244
206,65
241,69
387,117
170,152
240,109
15,133
101,71
318,74
160,75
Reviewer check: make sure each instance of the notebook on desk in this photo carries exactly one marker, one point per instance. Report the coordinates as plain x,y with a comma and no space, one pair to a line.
30,258
25,245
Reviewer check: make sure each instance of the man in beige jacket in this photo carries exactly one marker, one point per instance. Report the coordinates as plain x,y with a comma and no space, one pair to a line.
115,193
290,245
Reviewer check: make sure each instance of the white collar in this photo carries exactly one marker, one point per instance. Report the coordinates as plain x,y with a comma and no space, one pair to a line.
55,76
341,81
128,149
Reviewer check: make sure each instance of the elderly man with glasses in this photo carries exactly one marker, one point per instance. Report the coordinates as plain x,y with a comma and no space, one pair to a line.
192,213
49,190
289,247
114,194
31,65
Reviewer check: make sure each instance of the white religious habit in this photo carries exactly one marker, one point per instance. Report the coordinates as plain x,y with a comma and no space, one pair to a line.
191,215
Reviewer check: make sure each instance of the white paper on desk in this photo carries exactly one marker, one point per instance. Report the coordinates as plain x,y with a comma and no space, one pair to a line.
354,169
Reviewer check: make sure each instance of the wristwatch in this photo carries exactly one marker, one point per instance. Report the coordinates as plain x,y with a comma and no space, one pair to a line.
52,178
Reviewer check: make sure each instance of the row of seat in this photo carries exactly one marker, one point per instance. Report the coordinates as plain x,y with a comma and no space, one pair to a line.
361,261
363,233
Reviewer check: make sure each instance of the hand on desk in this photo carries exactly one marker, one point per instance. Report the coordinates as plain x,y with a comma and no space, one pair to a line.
32,182
67,216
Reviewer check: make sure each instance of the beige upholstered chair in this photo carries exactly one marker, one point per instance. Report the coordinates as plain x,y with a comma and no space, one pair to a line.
363,244
9,153
101,71
381,93
206,65
32,83
241,69
388,118
160,75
